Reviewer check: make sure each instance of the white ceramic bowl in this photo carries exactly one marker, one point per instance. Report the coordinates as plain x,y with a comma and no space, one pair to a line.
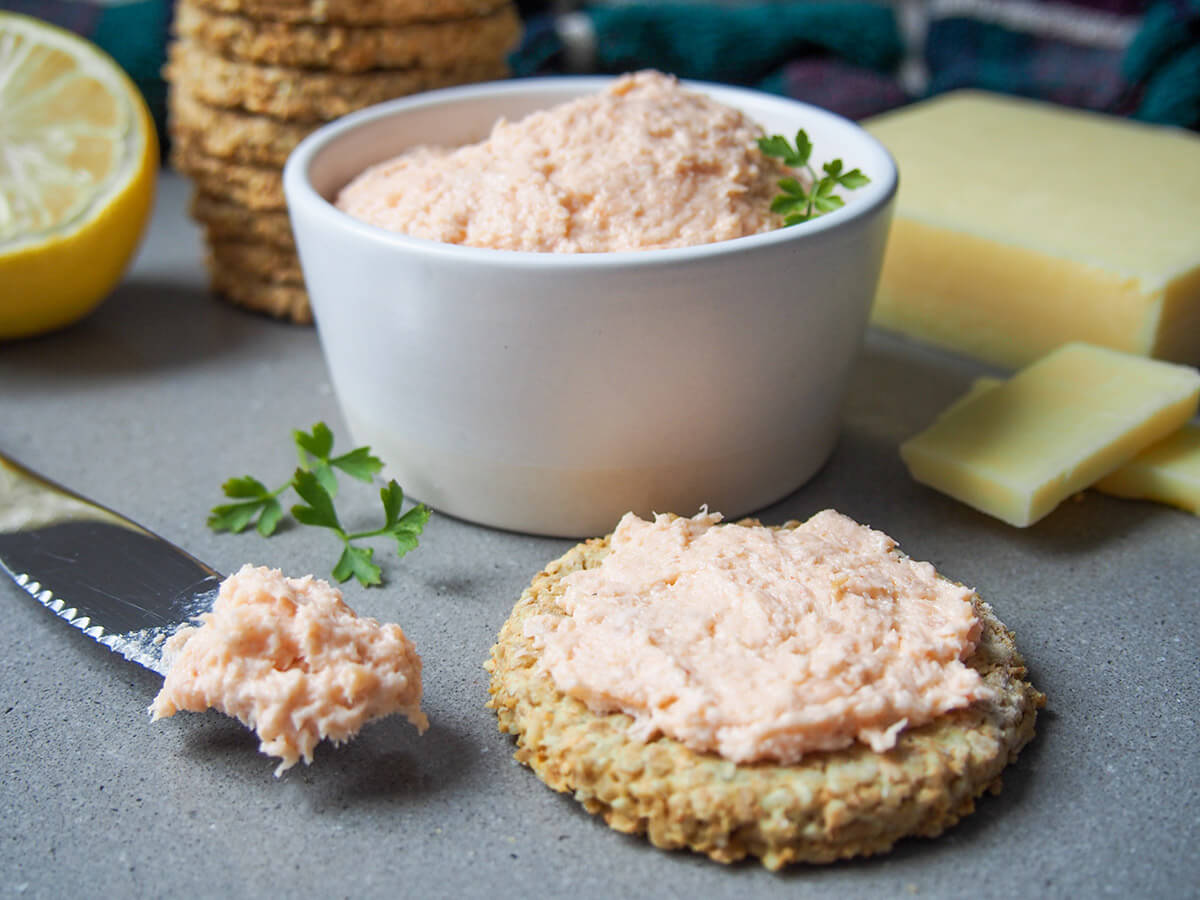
551,393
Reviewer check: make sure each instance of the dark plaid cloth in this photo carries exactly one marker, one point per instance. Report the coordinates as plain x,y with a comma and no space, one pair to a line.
1163,64
837,55
743,44
1125,57
965,53
1138,58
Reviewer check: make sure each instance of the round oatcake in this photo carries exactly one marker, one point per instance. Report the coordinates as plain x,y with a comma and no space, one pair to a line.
830,805
224,221
308,95
345,48
246,290
262,261
230,134
354,12
254,187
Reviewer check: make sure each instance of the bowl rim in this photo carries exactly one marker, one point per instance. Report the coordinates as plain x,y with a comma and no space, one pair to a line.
299,190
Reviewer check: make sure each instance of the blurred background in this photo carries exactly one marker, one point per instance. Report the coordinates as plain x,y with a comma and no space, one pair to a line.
1135,58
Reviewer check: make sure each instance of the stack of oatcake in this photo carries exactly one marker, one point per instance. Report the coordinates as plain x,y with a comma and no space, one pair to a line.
250,78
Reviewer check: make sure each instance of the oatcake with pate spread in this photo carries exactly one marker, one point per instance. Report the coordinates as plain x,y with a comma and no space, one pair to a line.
769,692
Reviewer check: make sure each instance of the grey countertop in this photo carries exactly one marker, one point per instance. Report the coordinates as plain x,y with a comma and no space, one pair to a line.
149,404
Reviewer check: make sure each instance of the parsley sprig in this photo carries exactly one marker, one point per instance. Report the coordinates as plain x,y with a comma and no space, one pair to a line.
315,482
795,202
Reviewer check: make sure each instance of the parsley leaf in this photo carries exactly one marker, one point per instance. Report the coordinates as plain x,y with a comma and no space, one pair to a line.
315,483
319,511
318,443
256,503
358,463
356,562
796,203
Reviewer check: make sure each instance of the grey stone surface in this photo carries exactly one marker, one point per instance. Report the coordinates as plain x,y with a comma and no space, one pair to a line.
148,405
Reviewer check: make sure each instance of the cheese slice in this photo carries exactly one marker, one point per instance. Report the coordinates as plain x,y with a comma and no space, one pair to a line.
1166,472
1021,226
1019,449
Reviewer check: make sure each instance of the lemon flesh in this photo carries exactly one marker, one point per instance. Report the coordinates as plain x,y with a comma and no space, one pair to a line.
78,163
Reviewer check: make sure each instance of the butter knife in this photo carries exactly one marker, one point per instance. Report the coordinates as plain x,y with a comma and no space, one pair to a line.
112,579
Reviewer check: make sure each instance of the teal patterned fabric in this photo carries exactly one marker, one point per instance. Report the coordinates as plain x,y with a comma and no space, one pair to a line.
841,54
1164,59
1123,57
746,43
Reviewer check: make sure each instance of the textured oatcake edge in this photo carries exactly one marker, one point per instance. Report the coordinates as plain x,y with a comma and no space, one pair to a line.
247,291
232,134
830,805
263,262
225,220
344,48
309,95
353,12
257,188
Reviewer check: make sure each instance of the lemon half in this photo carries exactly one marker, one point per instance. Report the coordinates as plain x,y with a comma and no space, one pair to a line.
78,163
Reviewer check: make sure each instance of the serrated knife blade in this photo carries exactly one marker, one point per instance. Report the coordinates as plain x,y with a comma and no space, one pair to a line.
115,581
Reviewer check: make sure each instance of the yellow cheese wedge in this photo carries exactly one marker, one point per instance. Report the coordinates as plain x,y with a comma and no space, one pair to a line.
1021,226
1167,472
1056,427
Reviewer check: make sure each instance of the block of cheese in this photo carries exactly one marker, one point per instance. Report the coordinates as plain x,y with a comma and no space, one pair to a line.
1166,472
1021,226
1056,427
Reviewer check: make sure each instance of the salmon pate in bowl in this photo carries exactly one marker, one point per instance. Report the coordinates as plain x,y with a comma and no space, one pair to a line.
548,302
